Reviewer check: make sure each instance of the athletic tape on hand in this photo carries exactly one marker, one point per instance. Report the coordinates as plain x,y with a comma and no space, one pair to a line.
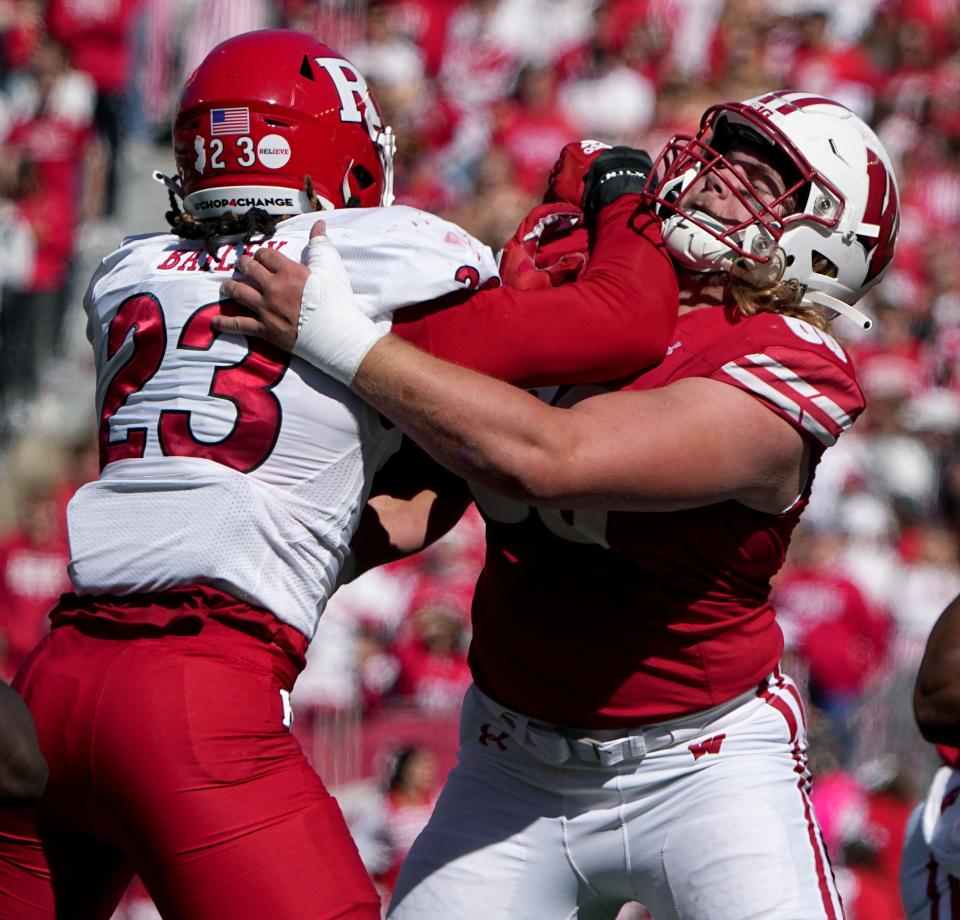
333,334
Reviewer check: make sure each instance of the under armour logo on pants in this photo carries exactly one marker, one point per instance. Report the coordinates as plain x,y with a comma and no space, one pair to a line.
486,735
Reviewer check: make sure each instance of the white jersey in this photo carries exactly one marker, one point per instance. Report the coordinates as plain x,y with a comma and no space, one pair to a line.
224,461
930,864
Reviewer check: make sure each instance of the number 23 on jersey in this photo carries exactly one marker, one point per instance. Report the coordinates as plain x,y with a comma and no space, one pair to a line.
247,384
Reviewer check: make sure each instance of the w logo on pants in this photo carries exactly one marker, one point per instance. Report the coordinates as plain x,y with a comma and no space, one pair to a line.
710,746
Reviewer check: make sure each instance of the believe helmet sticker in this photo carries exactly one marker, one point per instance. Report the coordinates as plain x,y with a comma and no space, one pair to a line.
273,151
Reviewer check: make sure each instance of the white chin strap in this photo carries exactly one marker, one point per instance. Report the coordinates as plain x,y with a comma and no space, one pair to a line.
386,140
693,248
837,307
168,182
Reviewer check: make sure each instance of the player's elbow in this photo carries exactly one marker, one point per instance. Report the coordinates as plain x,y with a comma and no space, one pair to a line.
543,478
530,463
521,472
937,713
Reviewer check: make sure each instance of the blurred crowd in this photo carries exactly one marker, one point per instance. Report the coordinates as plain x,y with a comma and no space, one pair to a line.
482,94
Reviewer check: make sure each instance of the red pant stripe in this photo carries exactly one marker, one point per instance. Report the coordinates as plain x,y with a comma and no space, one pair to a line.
782,706
826,894
795,693
933,893
827,888
954,897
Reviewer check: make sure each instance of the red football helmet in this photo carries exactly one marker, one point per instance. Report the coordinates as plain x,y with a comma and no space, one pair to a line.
263,111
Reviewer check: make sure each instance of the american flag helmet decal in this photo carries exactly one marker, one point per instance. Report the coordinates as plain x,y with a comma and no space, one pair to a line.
230,121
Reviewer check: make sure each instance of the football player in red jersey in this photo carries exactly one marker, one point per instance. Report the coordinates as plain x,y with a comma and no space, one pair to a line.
630,735
232,478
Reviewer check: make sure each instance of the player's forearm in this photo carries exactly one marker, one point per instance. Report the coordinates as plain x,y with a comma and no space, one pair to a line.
389,529
482,429
392,528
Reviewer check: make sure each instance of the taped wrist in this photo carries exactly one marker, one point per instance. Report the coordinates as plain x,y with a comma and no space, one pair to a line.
333,334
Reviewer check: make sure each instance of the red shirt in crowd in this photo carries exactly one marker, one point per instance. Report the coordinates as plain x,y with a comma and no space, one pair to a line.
32,578
877,897
425,23
21,36
96,34
54,147
435,682
531,140
846,71
876,894
838,634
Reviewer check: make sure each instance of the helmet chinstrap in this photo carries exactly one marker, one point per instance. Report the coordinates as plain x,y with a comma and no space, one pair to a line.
251,224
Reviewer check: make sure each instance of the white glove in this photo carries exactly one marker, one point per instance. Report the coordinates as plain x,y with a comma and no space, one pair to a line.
334,335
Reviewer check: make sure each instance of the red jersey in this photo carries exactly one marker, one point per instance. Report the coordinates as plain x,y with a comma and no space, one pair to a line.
598,620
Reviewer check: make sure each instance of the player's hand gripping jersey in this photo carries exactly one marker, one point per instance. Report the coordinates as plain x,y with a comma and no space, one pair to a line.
225,462
597,619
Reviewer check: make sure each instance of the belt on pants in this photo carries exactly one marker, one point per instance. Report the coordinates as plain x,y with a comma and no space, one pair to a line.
555,744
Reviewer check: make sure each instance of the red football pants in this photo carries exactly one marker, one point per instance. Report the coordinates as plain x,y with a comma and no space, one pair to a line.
168,757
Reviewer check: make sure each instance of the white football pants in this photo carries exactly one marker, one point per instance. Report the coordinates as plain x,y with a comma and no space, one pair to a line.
706,817
930,868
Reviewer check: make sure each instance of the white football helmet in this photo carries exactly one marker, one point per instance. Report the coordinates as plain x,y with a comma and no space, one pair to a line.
836,170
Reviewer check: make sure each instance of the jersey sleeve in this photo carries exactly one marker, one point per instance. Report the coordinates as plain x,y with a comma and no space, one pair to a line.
616,319
95,289
396,257
809,382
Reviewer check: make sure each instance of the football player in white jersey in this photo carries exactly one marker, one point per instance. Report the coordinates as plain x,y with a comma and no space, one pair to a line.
232,477
930,868
630,735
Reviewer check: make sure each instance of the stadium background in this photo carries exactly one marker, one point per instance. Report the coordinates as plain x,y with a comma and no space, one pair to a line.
482,95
